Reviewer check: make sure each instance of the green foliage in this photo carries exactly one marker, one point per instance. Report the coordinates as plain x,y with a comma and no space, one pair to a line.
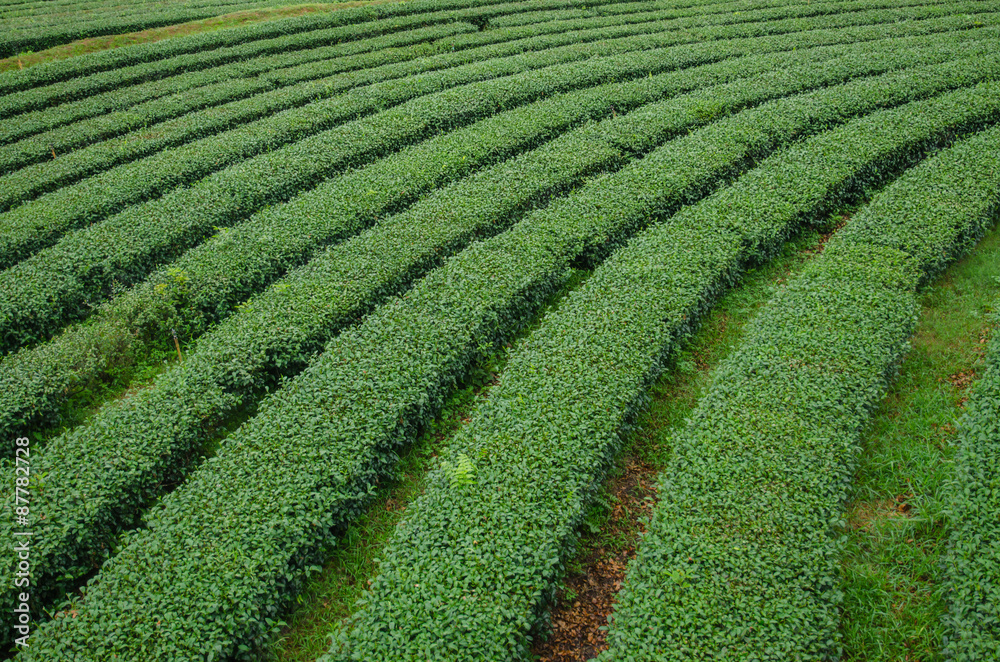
376,391
461,472
749,507
898,517
971,566
58,284
139,108
473,566
167,421
161,56
115,20
508,41
233,265
132,107
134,122
470,571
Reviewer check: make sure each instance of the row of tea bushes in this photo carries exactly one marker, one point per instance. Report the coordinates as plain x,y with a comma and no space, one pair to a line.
474,564
222,272
337,426
61,283
972,564
741,556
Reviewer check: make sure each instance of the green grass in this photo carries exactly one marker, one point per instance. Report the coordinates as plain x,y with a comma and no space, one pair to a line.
897,519
353,560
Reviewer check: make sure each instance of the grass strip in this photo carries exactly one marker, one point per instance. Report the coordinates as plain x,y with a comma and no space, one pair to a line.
899,517
971,566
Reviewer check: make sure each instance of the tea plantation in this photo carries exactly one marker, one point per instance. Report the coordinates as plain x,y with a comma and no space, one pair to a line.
290,243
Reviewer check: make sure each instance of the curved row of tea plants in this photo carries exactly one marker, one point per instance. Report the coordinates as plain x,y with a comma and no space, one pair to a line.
745,536
309,47
532,256
21,35
407,15
77,123
166,421
148,139
395,63
44,292
476,299
36,378
52,83
138,118
54,12
711,21
204,285
40,222
41,97
18,40
249,348
475,562
972,564
263,123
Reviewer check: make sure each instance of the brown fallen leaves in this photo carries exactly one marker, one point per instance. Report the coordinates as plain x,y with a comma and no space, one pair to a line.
586,598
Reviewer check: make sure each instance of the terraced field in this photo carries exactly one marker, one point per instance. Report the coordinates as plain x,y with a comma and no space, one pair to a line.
242,272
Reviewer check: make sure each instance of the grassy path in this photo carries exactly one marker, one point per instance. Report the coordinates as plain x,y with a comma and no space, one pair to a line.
897,519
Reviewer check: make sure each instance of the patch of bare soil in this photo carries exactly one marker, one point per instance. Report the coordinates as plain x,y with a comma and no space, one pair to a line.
587,598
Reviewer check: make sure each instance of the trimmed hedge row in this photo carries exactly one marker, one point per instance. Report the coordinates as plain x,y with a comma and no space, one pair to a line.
74,78
312,48
741,557
230,267
122,58
972,564
174,75
147,139
130,116
113,100
56,14
21,35
473,567
530,258
311,303
775,7
60,283
622,8
229,628
226,269
475,10
139,106
40,223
